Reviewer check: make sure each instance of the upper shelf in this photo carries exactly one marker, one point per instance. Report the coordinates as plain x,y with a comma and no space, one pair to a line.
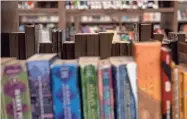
41,11
38,11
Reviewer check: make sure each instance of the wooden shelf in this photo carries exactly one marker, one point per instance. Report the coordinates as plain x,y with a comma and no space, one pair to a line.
116,11
162,10
38,11
117,22
182,21
38,22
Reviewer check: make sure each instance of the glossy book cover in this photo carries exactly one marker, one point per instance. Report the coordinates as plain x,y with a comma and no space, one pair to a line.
66,95
15,92
105,90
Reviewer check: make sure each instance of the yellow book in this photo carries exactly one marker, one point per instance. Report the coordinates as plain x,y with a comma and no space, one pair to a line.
182,92
175,93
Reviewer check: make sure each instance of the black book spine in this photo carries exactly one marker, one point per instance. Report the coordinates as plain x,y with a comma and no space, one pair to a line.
5,47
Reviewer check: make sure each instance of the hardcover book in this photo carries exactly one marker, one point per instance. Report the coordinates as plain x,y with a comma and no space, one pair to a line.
105,87
166,83
40,85
148,55
125,88
89,87
15,91
65,90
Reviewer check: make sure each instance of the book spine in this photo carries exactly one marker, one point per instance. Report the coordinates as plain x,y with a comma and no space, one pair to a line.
180,87
66,100
119,105
166,83
106,100
40,89
175,94
124,92
185,95
16,96
54,41
131,70
84,92
149,80
59,44
30,41
101,91
92,92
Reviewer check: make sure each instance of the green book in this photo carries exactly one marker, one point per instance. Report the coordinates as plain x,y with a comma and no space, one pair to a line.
89,86
15,91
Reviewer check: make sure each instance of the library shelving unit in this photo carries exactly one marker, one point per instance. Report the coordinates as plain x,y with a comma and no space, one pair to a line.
168,15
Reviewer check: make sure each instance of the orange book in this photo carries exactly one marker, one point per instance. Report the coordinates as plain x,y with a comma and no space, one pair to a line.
185,94
147,56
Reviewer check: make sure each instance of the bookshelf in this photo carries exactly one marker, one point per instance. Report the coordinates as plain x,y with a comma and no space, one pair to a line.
166,15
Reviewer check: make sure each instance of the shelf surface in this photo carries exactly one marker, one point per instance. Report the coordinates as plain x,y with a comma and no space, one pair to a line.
38,11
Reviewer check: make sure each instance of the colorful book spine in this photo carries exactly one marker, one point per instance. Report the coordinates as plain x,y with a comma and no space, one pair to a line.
119,104
66,95
166,83
90,74
89,85
125,91
40,85
15,91
105,90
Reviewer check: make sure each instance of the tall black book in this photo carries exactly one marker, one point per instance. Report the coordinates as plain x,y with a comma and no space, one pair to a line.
30,40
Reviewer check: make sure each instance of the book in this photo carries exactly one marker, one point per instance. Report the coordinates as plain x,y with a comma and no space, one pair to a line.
145,32
158,36
182,52
30,40
59,43
105,44
5,45
54,35
45,47
125,88
181,37
149,80
3,61
15,90
175,93
185,94
166,83
68,51
65,90
105,87
38,67
89,87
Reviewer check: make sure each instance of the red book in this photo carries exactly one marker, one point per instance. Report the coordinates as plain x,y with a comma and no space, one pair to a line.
166,83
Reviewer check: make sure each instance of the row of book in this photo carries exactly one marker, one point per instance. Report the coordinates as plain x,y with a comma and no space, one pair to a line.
118,4
90,88
103,44
86,4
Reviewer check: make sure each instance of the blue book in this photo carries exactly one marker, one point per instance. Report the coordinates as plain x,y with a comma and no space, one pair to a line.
65,91
38,67
125,101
